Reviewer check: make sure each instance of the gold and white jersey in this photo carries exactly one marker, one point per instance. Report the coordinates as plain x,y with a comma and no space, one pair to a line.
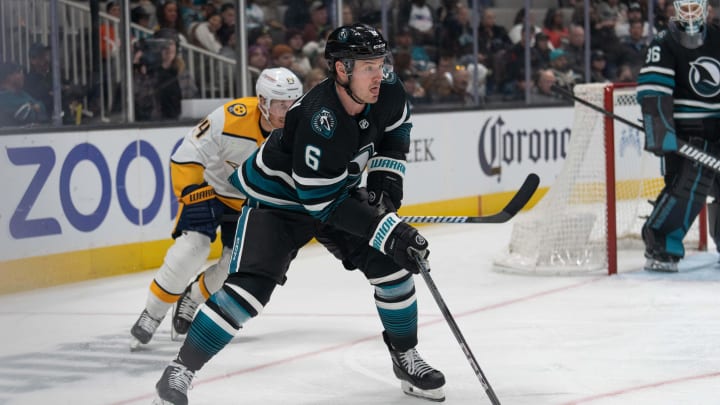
212,150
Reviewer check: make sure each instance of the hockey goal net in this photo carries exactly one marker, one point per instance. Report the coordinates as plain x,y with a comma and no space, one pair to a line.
597,204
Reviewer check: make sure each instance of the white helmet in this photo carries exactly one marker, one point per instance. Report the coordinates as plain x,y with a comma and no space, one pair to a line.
277,84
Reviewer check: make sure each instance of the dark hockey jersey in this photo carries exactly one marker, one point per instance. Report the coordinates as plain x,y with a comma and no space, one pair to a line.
318,157
691,76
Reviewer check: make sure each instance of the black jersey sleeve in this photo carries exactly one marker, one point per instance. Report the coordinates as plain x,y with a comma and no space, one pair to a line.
395,142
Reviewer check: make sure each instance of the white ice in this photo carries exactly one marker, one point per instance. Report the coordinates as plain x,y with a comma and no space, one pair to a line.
636,338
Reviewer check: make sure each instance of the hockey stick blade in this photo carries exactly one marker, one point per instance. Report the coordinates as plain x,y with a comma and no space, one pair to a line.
519,200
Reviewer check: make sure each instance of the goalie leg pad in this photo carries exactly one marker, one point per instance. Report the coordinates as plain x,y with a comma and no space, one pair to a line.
677,207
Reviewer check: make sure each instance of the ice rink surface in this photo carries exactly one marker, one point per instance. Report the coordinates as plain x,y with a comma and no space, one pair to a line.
636,338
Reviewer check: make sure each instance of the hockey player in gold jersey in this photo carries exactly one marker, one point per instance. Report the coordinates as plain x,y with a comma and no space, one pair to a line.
200,167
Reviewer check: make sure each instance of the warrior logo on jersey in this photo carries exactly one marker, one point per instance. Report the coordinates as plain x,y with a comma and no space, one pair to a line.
324,122
704,76
238,110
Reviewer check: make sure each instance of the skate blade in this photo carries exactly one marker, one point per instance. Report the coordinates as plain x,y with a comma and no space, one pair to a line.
135,345
160,401
176,336
436,395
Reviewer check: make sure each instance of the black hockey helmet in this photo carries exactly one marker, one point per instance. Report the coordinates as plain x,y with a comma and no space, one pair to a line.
353,42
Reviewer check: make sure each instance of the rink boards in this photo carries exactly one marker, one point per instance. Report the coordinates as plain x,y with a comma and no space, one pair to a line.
82,205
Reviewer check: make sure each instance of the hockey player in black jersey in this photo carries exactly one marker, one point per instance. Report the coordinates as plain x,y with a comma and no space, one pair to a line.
679,93
304,182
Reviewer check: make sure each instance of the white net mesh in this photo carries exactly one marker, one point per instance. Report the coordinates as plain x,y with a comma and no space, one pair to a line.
566,232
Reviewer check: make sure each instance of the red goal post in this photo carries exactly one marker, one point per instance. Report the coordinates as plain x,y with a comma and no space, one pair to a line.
600,198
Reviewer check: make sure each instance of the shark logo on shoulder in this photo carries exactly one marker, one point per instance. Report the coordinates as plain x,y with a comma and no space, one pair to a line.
704,76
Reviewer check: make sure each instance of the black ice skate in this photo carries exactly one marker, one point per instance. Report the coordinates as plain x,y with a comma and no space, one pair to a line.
661,262
143,330
417,378
183,314
173,386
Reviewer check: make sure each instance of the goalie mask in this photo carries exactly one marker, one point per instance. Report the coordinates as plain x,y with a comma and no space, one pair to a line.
277,84
688,25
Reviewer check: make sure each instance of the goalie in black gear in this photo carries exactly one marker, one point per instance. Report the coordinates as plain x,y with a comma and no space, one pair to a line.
679,95
304,183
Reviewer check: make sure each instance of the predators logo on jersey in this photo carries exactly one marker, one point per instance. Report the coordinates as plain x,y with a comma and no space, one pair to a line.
704,76
238,110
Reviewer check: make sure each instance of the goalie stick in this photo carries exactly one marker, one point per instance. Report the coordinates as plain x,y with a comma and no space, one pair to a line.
684,149
425,272
518,201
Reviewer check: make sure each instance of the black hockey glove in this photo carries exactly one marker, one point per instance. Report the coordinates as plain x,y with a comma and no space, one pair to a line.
657,112
400,241
385,181
200,211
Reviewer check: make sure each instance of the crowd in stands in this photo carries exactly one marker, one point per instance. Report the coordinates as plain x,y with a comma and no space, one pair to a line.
432,45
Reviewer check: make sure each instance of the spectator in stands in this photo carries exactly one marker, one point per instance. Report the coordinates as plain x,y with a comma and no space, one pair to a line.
634,14
348,15
564,76
417,15
109,40
258,60
598,65
575,49
39,81
413,89
168,17
457,33
419,59
228,45
541,52
17,107
612,11
149,7
459,88
445,10
438,83
156,81
254,15
261,36
554,27
141,17
190,13
298,14
315,51
663,11
542,92
602,36
301,65
282,56
318,23
313,77
516,32
227,12
493,42
635,46
204,34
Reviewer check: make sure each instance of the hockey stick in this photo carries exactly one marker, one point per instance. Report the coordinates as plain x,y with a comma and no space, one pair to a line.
425,272
518,201
684,149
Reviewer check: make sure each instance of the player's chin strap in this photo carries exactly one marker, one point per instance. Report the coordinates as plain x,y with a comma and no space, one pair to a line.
346,86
